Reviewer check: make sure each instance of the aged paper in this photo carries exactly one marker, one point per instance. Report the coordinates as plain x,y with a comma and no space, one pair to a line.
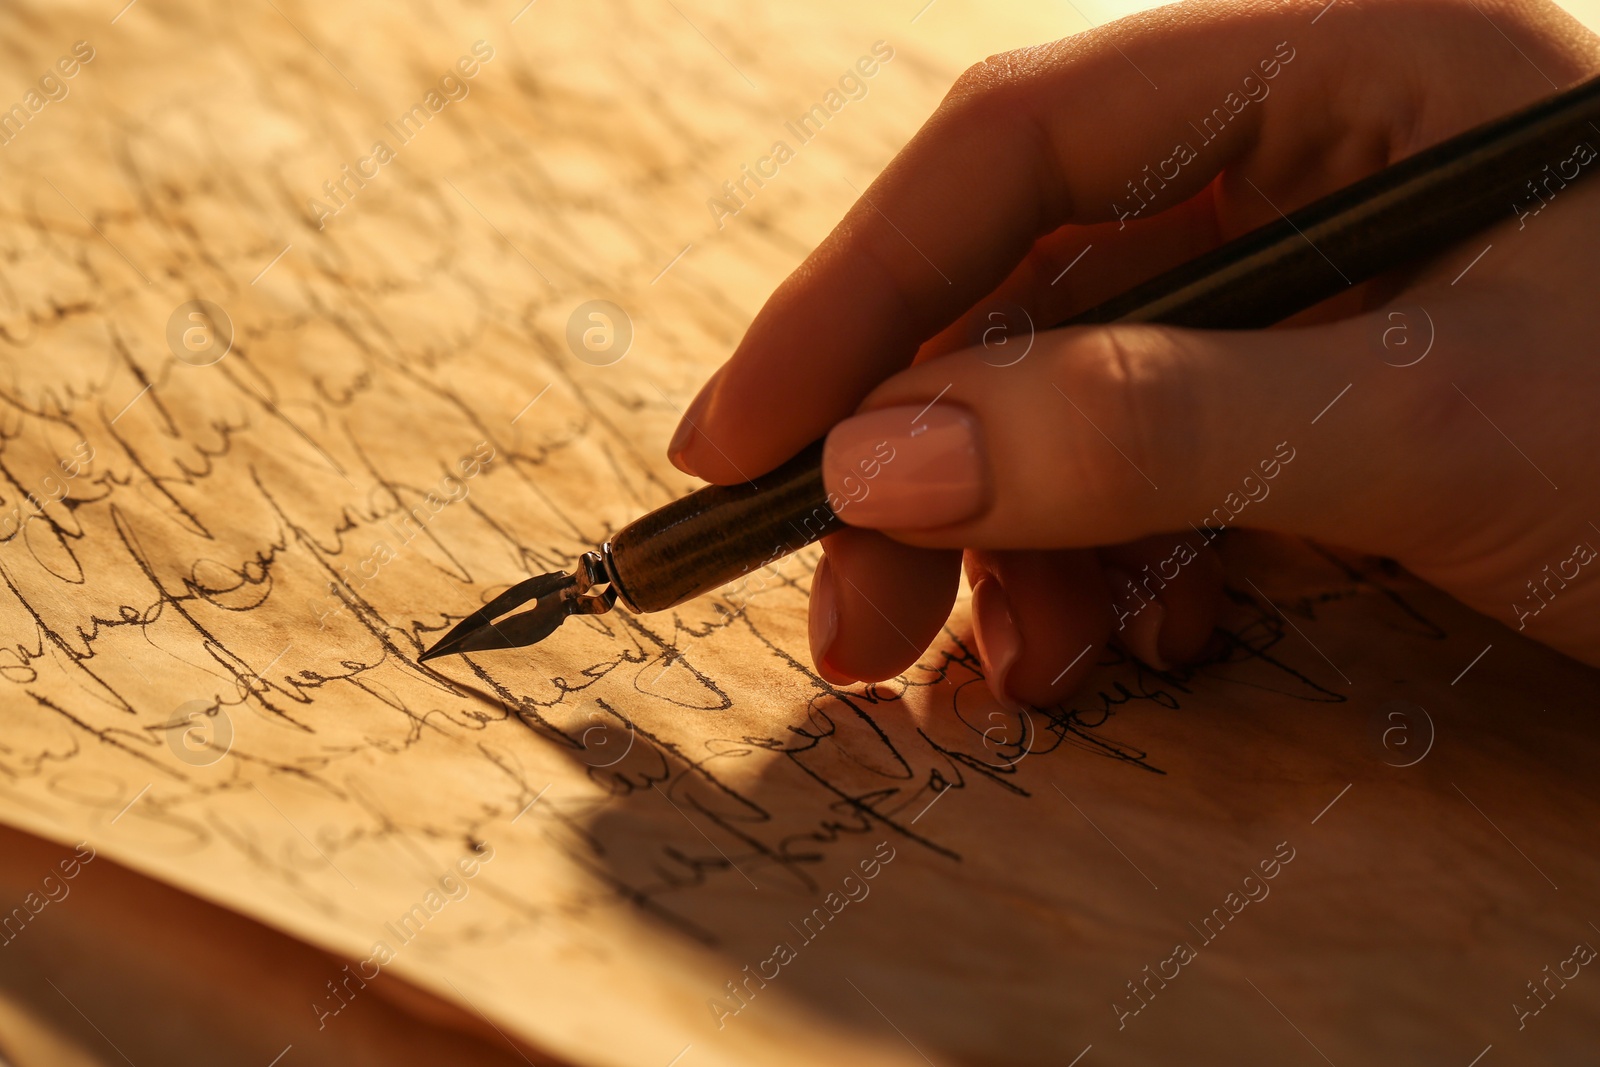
269,428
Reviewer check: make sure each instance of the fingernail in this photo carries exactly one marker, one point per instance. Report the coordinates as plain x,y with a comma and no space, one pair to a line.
823,625
906,467
681,439
999,640
1138,619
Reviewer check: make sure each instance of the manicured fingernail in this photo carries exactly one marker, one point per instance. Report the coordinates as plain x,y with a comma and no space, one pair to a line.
681,439
999,640
1138,619
906,468
824,624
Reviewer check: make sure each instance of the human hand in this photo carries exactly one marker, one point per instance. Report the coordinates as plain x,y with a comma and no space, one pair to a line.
1055,177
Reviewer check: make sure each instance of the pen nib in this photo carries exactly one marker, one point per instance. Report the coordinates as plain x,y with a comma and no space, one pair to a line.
555,596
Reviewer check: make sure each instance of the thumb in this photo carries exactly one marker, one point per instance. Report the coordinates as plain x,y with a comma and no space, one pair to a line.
1107,434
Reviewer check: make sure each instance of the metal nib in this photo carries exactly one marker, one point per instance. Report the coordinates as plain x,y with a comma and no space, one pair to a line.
556,596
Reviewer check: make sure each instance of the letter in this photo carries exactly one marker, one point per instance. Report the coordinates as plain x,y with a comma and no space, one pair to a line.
455,490
1561,568
322,1016
1161,168
1185,953
1122,216
56,89
434,503
433,901
775,967
762,172
1152,978
1138,996
1278,852
1584,554
1584,953
1234,98
851,893
719,210
468,467
852,86
34,101
421,917
869,868
805,924
1269,68
1535,591
69,868
883,50
453,87
433,101
485,52
1561,167
1547,981
830,900
382,953
785,954
720,1012
83,847
1265,889
453,888
51,893
33,898
1162,567
362,567
18,114
1562,970
1279,52
1522,1015
748,978
68,67
1176,969
879,852
1234,898
467,67
20,917
1270,468
877,450
1266,489
346,982
781,152
833,101
320,212
743,183
1230,501
1184,552
1584,153
1152,178
361,967
1551,578
1279,452
867,66
818,114
1206,931
419,118
1219,118
1523,616
361,171
1123,1015
1185,155
1213,531
1260,86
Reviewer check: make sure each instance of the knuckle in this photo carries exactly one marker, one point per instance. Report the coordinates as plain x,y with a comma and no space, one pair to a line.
1138,422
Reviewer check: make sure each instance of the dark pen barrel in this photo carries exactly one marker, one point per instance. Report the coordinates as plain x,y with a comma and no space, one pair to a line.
1410,210
718,534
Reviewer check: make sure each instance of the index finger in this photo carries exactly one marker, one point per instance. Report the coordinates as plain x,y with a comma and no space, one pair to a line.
1071,132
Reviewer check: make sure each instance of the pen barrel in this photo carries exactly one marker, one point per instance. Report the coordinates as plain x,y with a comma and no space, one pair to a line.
717,535
1410,210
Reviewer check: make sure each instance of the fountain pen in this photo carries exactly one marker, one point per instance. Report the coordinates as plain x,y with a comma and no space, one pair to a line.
1408,211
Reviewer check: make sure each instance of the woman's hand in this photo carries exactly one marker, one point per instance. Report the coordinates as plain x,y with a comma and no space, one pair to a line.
1085,477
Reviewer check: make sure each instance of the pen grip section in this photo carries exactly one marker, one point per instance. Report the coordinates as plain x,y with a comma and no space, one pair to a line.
719,534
